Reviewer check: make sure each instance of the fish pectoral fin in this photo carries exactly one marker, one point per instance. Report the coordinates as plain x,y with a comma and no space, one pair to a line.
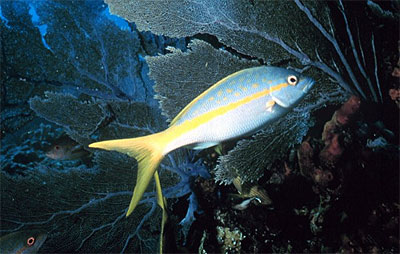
269,105
279,102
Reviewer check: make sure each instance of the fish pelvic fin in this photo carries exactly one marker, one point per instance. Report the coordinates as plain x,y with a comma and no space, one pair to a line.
162,202
148,151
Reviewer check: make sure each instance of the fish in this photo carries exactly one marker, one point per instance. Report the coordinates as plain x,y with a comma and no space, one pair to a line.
245,204
246,190
236,106
66,149
22,242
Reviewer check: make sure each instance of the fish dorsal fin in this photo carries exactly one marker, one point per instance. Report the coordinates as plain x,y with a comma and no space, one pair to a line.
185,109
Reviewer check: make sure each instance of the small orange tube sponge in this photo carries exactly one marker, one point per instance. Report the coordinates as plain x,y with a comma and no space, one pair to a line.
333,150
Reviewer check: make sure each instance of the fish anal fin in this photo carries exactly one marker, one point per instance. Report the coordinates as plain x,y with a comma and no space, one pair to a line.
204,145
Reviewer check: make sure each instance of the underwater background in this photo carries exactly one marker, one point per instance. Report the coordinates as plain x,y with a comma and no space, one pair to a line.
324,178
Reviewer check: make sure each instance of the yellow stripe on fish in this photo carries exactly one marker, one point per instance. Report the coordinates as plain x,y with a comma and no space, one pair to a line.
237,105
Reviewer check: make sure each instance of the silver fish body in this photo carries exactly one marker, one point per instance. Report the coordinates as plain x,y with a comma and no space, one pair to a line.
239,105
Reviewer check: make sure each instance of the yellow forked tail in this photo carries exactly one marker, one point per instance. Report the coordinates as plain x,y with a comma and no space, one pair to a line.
148,151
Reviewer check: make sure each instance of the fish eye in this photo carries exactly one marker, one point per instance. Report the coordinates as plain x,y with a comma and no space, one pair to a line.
30,241
292,80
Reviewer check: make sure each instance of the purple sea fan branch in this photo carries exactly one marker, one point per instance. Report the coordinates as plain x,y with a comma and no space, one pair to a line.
305,60
353,47
335,44
88,204
376,67
111,224
359,45
137,231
